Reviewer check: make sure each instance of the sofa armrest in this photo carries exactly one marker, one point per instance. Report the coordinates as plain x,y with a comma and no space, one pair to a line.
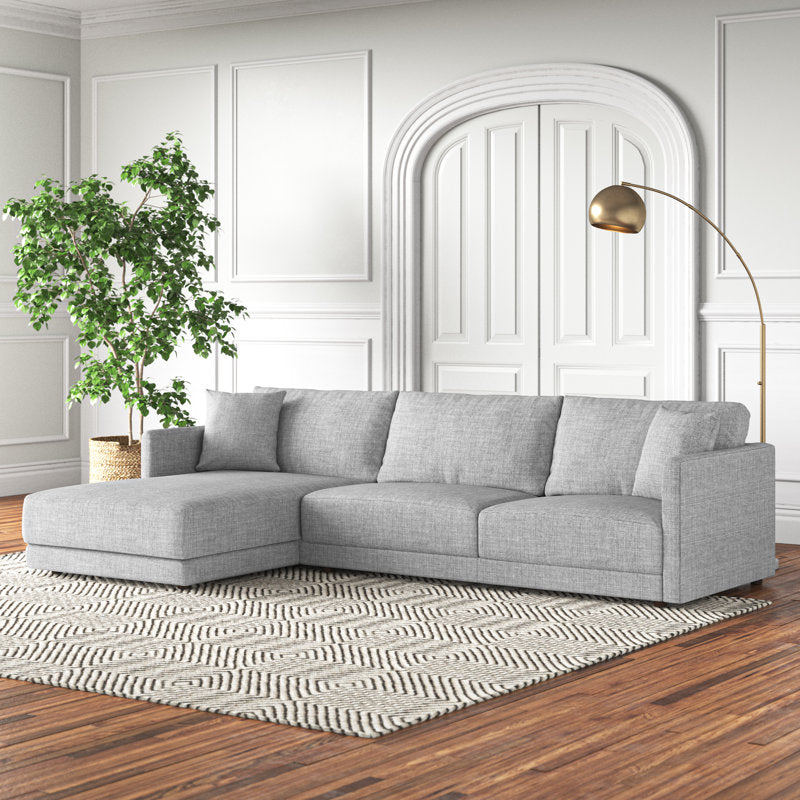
171,451
718,512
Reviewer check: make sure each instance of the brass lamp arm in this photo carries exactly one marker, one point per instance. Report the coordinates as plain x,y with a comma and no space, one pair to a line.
762,383
715,227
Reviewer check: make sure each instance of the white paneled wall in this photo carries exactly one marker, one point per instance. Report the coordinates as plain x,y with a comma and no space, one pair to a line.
732,369
181,99
295,120
42,376
757,165
294,206
301,163
758,161
39,435
39,103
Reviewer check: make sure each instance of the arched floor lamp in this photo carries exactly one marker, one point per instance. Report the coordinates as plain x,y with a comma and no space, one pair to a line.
619,208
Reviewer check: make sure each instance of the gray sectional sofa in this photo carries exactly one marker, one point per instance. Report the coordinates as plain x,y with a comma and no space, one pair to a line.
575,494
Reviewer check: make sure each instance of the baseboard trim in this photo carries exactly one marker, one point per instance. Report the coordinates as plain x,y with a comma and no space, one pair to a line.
37,475
787,525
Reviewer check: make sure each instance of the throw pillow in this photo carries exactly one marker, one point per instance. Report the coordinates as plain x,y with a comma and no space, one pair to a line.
672,433
241,431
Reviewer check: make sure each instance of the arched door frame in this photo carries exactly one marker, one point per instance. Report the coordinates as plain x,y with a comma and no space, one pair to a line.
532,85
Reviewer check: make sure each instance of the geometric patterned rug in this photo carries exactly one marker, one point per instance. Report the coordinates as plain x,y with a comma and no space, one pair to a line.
349,652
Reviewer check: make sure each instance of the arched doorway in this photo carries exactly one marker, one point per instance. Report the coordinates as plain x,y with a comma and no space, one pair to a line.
543,86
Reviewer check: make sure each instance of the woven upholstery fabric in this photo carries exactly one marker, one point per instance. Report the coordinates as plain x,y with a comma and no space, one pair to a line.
171,451
337,433
719,520
672,433
241,431
592,532
177,516
417,517
599,440
480,440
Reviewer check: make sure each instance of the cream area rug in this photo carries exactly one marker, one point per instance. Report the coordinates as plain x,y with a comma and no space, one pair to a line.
349,652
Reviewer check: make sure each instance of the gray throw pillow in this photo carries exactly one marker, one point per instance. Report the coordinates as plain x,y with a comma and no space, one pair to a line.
671,434
241,431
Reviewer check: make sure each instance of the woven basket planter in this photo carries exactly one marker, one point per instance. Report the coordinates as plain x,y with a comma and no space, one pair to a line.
111,458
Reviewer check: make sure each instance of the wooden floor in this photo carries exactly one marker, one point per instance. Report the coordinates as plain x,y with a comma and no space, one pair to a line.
713,714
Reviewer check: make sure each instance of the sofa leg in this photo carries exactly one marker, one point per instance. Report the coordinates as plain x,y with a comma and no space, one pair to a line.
757,583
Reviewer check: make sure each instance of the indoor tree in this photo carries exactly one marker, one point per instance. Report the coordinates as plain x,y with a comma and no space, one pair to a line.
131,277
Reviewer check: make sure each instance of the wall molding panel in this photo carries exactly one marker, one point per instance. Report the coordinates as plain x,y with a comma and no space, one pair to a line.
523,86
747,312
207,72
65,81
10,311
318,311
723,23
632,317
504,251
450,181
63,411
467,378
358,267
354,356
575,299
206,69
574,379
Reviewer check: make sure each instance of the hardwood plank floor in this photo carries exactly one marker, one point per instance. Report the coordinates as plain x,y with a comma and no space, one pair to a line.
714,714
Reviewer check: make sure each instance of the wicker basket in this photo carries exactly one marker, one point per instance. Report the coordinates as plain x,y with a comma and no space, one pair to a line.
111,458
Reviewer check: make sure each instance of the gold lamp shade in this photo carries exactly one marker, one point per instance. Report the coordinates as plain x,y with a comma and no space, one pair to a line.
617,208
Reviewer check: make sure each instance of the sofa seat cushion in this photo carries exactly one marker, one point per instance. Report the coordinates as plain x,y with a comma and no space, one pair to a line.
618,533
411,517
176,516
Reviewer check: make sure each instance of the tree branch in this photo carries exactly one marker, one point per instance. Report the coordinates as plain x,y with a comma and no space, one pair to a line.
91,283
158,302
139,208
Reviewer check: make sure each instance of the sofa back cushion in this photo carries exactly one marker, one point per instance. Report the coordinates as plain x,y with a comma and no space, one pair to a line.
505,441
337,433
599,440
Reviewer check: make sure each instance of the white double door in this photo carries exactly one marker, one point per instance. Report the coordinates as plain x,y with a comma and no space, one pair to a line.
518,293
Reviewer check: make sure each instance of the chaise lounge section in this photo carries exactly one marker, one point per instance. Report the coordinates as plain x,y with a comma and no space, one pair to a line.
569,494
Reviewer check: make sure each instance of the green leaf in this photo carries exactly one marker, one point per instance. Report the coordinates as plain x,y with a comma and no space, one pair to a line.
130,276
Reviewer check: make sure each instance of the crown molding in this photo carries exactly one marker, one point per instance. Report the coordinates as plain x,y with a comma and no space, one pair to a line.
165,15
36,18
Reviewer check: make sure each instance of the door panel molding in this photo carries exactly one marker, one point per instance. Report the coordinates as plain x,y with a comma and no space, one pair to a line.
523,86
